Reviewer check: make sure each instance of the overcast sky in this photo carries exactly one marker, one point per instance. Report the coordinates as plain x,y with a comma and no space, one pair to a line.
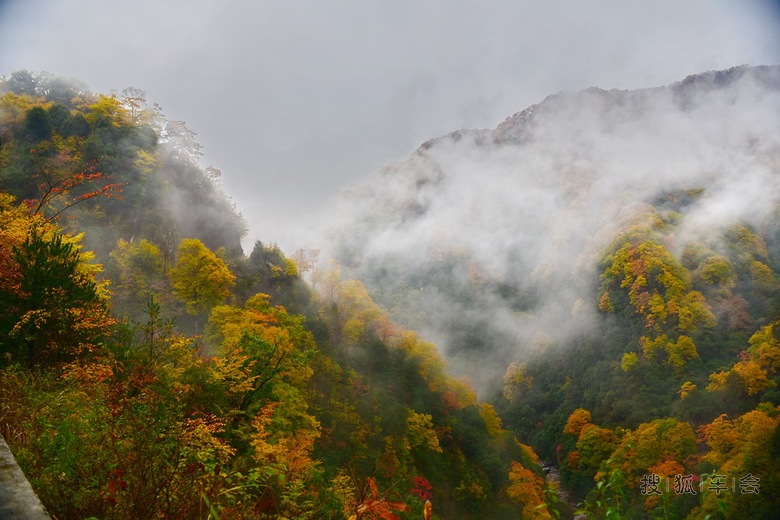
295,100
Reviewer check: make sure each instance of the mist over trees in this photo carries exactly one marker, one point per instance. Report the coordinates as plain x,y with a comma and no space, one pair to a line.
593,287
610,251
150,369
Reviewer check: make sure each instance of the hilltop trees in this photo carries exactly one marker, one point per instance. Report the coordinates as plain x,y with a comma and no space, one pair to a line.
45,141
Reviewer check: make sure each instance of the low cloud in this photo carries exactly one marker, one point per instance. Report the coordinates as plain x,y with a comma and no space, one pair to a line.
504,229
295,101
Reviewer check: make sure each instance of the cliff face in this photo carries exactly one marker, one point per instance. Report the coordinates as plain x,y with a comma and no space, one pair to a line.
17,498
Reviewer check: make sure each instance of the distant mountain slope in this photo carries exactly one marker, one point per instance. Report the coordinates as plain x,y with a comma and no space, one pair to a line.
605,267
489,240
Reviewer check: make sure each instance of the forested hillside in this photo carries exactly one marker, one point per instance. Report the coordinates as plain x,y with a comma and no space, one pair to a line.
601,273
151,369
605,267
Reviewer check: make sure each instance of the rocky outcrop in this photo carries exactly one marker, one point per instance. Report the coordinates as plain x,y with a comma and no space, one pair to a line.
17,498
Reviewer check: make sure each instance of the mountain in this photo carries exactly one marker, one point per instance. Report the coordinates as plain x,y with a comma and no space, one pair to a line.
151,369
504,229
613,255
601,270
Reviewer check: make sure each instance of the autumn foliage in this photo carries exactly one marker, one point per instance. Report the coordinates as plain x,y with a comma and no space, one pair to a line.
150,369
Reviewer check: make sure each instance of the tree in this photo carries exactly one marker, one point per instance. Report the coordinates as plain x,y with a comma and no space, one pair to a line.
420,431
740,447
38,125
200,278
137,272
527,487
305,259
260,345
765,347
134,100
653,443
594,445
61,188
58,89
56,308
264,365
659,289
181,141
107,111
756,366
578,419
22,82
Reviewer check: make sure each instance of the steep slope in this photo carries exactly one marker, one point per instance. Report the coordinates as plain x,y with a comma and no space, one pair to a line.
489,241
188,381
61,143
605,266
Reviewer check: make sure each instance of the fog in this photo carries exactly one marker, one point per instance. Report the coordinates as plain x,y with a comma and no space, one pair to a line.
533,206
313,112
295,101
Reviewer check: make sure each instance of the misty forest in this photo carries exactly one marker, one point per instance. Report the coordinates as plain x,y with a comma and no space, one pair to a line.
575,314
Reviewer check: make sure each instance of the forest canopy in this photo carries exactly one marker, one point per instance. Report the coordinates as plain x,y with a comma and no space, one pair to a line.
150,368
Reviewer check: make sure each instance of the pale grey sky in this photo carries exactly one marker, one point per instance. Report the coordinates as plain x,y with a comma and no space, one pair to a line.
295,100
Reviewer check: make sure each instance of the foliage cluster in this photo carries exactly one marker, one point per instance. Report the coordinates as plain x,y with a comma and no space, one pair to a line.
186,380
680,380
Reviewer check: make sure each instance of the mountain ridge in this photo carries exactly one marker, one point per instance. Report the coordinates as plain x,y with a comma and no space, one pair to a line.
576,167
